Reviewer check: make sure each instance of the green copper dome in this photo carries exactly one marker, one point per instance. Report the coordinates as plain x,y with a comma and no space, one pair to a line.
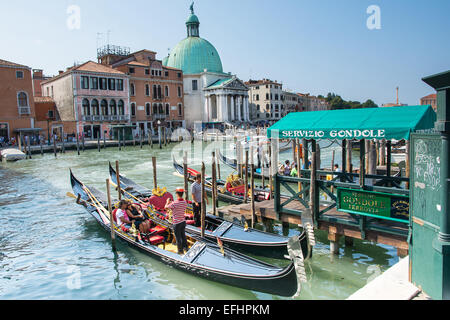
193,19
193,55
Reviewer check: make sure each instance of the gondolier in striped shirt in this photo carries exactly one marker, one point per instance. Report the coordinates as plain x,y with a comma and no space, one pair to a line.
178,208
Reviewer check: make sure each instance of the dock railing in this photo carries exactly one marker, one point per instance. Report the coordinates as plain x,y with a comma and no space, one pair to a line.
326,199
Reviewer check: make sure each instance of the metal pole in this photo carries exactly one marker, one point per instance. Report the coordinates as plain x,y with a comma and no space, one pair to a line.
118,181
408,163
111,217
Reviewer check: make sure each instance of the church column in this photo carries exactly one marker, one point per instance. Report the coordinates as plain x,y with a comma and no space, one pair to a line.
239,99
233,104
210,108
224,108
246,109
206,109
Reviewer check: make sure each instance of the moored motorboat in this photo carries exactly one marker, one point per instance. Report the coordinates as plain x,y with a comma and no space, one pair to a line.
204,258
231,234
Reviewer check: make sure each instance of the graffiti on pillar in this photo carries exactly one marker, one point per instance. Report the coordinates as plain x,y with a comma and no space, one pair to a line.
427,165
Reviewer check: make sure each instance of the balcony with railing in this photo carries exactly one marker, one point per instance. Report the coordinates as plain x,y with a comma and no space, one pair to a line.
24,111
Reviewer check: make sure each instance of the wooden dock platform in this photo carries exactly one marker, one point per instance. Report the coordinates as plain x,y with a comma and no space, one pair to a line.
265,211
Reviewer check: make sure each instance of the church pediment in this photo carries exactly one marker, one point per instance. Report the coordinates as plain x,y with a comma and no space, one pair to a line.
229,84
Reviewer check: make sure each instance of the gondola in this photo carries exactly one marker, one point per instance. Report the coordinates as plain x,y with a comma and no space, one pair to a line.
232,163
224,195
204,258
233,235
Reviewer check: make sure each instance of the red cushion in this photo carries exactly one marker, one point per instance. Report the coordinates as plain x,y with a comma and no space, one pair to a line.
114,213
190,222
155,240
158,229
160,202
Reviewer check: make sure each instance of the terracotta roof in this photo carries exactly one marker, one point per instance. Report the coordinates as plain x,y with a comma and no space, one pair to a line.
96,67
430,96
11,64
89,66
43,99
260,82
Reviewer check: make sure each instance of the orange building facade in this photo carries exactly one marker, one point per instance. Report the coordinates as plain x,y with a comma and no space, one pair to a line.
156,92
17,109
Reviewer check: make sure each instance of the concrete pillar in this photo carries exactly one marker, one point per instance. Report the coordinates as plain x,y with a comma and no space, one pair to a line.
239,108
334,243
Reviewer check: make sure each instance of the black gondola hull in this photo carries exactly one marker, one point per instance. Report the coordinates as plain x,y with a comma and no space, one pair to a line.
281,282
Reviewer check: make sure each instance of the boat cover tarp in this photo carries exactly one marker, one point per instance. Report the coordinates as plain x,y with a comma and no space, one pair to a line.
391,123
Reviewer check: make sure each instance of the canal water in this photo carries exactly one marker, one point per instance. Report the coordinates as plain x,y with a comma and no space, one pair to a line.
51,248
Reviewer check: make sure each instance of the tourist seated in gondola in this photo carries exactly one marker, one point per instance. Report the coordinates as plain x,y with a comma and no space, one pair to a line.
135,215
121,214
178,208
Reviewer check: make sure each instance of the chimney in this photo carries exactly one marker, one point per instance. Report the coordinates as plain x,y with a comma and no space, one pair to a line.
60,72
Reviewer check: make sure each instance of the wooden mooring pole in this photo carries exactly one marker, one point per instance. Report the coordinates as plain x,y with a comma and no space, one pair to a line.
98,142
155,178
111,217
42,148
203,211
219,175
82,142
54,146
118,181
185,171
214,184
78,144
246,177
252,188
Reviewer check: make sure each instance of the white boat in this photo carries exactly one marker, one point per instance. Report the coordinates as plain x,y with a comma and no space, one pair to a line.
12,155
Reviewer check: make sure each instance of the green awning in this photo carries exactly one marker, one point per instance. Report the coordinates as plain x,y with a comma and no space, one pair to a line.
391,123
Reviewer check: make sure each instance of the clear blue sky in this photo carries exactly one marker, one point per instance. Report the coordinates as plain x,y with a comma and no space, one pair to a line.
312,46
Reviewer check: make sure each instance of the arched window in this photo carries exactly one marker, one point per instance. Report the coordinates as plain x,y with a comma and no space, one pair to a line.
133,109
147,90
22,99
159,92
161,110
86,107
167,109
104,107
148,109
155,108
166,91
113,107
132,91
155,92
95,108
122,108
180,110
